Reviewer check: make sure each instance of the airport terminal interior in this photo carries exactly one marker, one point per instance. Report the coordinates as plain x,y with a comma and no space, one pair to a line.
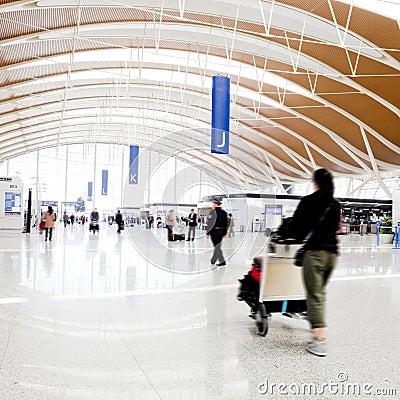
155,108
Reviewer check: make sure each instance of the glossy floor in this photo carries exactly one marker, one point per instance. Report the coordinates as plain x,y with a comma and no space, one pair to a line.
131,317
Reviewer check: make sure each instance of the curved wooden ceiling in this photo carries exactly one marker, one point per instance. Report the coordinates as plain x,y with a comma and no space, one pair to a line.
312,83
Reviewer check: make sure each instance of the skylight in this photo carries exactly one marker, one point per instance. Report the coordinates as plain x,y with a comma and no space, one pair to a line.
387,8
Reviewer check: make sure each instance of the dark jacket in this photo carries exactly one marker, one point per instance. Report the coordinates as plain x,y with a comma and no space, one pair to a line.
306,219
94,216
192,218
118,219
217,220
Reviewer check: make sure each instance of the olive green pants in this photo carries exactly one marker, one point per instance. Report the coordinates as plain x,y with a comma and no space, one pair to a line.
318,267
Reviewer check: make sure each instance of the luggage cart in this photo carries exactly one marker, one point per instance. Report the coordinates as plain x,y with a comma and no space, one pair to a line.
281,289
94,226
178,232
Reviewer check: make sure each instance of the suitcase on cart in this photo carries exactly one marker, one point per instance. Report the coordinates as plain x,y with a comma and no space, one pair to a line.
93,226
172,237
280,290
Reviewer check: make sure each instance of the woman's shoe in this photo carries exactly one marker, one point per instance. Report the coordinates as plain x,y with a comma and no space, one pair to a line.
317,348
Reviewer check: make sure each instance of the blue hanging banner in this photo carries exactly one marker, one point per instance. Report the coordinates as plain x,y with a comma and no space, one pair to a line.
90,191
133,165
104,182
220,114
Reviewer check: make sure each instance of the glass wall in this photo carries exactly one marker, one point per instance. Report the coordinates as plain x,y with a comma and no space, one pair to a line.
62,175
354,188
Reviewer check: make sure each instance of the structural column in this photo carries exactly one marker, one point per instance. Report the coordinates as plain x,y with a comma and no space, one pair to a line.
66,175
396,203
94,176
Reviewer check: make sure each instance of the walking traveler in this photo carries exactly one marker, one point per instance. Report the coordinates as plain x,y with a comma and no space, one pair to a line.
119,222
65,219
217,226
317,217
49,218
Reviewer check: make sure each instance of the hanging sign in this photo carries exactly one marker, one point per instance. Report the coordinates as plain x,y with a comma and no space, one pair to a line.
220,115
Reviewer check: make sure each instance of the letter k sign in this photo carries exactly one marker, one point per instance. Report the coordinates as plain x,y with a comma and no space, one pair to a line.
133,178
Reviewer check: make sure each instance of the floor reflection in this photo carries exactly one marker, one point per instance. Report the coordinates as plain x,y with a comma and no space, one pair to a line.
79,263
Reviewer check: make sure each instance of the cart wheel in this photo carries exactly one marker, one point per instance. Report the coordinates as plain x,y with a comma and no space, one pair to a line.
262,320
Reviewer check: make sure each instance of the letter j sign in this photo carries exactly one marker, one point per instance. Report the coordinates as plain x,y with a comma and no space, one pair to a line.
220,115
